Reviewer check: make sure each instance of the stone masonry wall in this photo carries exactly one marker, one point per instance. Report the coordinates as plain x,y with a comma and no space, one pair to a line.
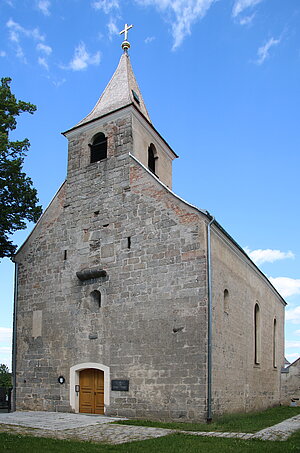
143,136
151,327
238,383
290,384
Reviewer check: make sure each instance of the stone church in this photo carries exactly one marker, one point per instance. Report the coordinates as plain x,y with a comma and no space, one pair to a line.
130,301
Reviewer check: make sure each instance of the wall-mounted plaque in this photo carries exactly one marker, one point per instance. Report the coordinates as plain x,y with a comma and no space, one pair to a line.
120,385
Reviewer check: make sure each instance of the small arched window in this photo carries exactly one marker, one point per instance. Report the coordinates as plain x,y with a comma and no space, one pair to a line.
98,148
152,158
256,334
226,300
274,343
95,300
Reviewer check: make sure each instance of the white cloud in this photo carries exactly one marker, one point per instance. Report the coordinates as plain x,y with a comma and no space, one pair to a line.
261,256
286,286
292,344
2,53
5,356
6,345
43,62
240,5
246,20
5,350
44,6
297,332
112,29
20,54
293,315
5,335
263,51
16,30
149,39
186,13
106,5
13,36
47,50
82,59
44,48
292,357
57,82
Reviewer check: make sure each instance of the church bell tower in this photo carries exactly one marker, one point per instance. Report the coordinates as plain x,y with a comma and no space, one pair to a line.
102,133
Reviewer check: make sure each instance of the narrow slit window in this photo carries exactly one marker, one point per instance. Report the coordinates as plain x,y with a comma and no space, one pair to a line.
129,242
95,301
226,300
65,255
98,148
274,343
256,335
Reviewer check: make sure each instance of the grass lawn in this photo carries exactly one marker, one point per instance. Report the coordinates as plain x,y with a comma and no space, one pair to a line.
175,443
244,423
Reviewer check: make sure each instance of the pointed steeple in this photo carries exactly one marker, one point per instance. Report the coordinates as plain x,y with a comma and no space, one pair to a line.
101,135
122,90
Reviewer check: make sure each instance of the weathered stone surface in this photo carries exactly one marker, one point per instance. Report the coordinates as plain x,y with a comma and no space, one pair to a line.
88,274
290,384
151,319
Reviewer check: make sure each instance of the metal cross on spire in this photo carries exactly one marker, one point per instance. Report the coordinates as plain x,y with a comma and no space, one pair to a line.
125,43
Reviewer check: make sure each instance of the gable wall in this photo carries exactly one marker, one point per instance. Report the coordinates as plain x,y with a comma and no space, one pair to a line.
151,327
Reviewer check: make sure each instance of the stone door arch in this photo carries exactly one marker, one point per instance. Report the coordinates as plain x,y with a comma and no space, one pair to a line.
74,381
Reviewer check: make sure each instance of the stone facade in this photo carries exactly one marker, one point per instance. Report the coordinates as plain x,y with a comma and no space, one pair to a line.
290,377
115,216
239,382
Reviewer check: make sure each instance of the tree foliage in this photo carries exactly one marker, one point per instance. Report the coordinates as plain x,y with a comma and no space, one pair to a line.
5,376
18,197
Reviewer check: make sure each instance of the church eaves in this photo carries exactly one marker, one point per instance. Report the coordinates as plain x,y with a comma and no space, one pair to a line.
121,91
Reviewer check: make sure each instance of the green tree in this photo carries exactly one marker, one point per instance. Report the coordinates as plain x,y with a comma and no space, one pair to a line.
18,198
5,376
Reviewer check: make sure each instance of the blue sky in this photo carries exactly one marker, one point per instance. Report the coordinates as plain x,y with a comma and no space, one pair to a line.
220,79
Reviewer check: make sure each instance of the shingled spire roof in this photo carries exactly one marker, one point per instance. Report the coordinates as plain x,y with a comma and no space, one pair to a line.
122,90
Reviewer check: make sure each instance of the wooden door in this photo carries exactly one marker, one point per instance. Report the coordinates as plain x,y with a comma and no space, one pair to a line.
91,394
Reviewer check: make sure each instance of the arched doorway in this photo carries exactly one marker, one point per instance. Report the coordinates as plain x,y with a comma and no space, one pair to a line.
75,372
91,393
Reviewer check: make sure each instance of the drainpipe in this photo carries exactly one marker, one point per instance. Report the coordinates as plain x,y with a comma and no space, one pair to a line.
209,321
14,351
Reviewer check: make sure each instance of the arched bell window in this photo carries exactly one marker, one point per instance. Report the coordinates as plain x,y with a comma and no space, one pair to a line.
98,148
152,158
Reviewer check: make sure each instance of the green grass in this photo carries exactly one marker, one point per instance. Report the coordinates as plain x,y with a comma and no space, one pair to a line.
16,443
244,423
175,443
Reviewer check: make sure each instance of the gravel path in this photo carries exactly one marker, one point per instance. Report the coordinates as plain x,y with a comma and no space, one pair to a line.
98,428
281,431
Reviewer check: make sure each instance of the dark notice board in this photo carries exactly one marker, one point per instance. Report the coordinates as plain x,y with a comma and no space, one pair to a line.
120,385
